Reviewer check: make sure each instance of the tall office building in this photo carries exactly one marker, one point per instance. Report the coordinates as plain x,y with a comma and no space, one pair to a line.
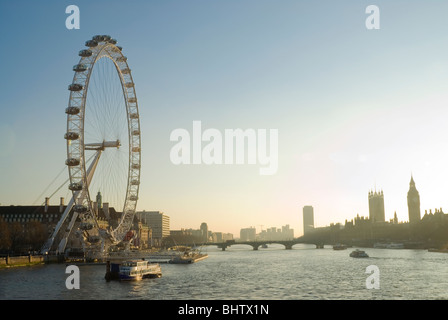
413,202
308,219
204,232
376,206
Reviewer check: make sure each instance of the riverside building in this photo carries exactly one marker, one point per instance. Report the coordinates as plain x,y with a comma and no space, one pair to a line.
158,222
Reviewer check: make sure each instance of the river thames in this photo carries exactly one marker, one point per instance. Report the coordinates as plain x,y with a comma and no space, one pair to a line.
303,273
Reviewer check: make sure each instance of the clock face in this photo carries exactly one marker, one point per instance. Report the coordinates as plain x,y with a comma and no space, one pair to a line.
414,200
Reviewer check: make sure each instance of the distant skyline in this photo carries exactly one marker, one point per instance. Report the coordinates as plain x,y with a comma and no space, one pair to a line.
355,109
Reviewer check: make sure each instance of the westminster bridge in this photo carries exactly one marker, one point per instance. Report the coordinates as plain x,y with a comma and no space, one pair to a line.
288,244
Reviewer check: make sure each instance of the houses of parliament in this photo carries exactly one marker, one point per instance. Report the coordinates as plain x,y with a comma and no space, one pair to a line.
376,205
429,231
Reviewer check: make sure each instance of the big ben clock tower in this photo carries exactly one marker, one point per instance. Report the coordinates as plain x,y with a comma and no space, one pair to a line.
413,202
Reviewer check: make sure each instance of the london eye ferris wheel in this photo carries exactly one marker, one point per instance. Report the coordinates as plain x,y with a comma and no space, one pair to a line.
103,146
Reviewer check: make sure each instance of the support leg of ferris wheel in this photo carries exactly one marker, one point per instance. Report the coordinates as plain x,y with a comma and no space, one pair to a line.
98,147
61,248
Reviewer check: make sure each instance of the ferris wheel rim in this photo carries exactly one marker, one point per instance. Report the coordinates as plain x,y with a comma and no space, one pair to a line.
100,47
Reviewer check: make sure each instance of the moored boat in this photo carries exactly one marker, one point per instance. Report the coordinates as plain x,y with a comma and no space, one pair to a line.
133,270
444,250
138,270
188,257
394,245
391,245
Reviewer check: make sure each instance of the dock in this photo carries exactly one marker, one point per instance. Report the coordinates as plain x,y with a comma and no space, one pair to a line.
169,256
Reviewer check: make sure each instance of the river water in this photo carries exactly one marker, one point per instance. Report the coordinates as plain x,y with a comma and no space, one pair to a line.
303,273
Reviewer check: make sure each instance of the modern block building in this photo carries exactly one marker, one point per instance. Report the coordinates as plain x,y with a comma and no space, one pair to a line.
204,232
248,234
273,233
308,219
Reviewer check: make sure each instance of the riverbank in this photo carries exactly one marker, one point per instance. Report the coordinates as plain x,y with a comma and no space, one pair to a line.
20,261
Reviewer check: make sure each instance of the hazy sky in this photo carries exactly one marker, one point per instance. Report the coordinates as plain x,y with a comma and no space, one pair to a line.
355,108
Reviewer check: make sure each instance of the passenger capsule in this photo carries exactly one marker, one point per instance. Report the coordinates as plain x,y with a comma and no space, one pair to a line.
112,41
72,110
91,43
85,226
71,135
85,53
75,87
75,186
80,208
79,67
119,48
98,38
93,239
72,162
106,38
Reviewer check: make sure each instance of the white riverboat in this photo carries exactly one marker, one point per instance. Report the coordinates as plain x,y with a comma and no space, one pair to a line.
138,270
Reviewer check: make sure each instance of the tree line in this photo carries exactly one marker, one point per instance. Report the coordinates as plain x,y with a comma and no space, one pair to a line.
19,238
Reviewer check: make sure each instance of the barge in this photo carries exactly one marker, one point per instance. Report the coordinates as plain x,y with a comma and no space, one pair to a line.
188,258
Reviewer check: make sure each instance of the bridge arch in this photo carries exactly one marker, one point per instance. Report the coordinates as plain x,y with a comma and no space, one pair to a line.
246,244
268,243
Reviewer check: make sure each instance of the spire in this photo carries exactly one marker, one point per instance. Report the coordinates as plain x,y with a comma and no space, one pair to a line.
412,183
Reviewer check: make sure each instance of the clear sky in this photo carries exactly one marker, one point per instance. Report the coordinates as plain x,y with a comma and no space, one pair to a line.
356,109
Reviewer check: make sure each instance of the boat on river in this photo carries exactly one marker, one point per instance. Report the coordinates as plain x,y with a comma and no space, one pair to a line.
359,254
444,250
391,245
188,258
138,270
132,270
394,245
339,246
186,255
